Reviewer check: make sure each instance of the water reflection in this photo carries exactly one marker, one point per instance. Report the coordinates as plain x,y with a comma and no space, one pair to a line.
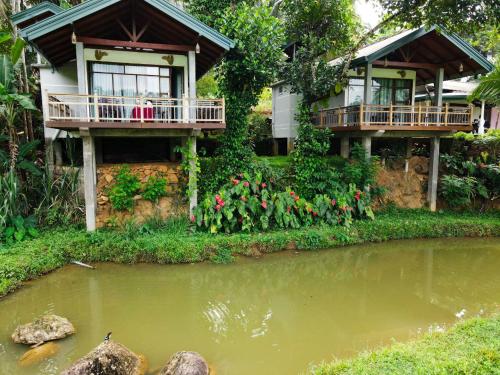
275,314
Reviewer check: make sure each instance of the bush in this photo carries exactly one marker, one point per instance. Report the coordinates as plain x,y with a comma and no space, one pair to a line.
247,203
122,193
154,188
458,191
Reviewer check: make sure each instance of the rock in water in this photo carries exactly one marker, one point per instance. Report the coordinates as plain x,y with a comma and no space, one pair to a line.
186,363
109,358
38,354
46,328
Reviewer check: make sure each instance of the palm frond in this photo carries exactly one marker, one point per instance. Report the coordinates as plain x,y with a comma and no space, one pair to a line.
489,88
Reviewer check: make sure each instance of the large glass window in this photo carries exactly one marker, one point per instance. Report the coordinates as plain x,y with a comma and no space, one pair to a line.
130,80
384,91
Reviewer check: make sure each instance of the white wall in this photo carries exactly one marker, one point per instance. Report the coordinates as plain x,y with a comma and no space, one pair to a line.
284,110
62,80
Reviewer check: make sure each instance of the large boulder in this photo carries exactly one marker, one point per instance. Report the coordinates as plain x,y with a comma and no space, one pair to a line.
109,358
38,354
186,363
46,328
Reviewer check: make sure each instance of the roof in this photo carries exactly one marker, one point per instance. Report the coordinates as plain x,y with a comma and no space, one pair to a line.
89,7
433,45
35,13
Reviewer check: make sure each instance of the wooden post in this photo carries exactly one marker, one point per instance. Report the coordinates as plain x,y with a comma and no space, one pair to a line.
446,108
361,114
390,114
433,173
89,179
344,147
96,108
471,112
419,118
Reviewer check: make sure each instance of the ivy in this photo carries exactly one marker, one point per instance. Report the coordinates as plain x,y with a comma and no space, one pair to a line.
189,160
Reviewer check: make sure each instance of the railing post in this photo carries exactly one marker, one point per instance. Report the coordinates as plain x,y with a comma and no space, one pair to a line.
96,108
361,114
419,116
339,117
446,114
390,114
471,109
185,109
224,110
141,107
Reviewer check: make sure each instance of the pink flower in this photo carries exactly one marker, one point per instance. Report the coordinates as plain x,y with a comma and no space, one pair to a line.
218,207
358,195
264,205
236,182
246,184
193,219
222,203
217,198
334,202
264,185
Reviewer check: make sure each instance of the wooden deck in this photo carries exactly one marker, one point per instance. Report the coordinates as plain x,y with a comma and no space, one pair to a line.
359,118
73,111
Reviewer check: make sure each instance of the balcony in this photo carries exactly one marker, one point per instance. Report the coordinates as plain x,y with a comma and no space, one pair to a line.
73,111
374,117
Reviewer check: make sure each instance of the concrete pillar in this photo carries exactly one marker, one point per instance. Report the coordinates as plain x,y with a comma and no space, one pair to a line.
193,199
409,146
480,130
89,175
192,84
49,153
57,147
367,95
433,173
344,147
290,145
275,151
367,145
438,87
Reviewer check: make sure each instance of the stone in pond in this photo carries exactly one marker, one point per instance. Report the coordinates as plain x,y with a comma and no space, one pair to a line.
46,328
186,363
38,354
109,358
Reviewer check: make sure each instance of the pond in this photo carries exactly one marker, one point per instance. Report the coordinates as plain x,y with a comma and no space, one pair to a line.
274,315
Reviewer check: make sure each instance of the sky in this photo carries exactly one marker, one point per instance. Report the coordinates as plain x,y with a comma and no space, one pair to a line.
369,11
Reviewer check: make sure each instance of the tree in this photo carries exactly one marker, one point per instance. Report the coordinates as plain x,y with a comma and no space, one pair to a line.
489,88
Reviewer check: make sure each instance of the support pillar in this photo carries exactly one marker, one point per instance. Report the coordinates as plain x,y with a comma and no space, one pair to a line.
344,147
480,130
192,85
275,147
193,188
409,146
367,145
367,93
433,174
290,145
89,180
438,87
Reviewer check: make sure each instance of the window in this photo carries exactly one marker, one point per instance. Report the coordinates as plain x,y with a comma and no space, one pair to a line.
384,91
130,80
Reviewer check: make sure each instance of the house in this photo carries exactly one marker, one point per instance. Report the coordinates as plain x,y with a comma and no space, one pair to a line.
121,76
380,98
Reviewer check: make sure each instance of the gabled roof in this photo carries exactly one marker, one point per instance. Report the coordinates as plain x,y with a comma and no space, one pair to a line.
44,9
434,45
89,7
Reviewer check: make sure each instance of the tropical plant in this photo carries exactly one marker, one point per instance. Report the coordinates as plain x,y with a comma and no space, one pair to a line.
488,88
154,188
247,203
18,229
13,202
458,191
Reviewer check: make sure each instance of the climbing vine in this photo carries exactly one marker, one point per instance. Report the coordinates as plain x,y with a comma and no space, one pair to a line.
189,159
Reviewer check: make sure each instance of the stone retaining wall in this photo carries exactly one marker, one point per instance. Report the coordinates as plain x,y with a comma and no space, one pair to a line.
170,205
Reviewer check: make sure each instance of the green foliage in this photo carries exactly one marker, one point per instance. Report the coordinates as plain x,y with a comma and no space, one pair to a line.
190,161
259,128
470,347
361,170
206,86
122,192
18,229
489,88
13,202
248,203
154,188
458,191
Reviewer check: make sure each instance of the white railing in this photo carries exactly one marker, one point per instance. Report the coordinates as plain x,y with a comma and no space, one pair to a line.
104,108
395,115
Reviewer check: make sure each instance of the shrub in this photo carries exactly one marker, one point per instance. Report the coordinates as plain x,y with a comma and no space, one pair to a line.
18,229
154,188
247,203
458,191
122,193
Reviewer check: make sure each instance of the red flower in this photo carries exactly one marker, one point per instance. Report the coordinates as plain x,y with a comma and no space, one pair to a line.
315,213
193,219
309,209
236,182
218,207
264,185
217,198
288,209
296,198
358,195
334,202
292,193
246,184
222,203
264,205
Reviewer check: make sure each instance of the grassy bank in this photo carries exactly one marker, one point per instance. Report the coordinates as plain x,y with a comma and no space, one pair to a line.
471,347
173,243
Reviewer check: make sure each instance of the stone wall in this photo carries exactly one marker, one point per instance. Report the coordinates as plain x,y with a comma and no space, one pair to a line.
170,205
405,189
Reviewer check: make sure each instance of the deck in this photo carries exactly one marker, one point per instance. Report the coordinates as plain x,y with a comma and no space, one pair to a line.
73,111
396,118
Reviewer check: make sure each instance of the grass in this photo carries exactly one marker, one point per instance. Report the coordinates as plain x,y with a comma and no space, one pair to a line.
470,347
172,242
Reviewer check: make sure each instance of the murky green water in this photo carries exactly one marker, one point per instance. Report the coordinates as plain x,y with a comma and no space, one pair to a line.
274,315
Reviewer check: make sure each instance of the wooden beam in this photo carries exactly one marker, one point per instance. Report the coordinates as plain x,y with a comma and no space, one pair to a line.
130,36
402,64
142,31
130,44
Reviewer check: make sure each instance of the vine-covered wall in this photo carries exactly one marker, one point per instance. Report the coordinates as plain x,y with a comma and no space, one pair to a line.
167,206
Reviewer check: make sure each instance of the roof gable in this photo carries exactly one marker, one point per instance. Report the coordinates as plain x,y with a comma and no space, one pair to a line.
31,15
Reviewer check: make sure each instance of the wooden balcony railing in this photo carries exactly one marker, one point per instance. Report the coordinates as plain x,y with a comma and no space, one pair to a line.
396,116
69,108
